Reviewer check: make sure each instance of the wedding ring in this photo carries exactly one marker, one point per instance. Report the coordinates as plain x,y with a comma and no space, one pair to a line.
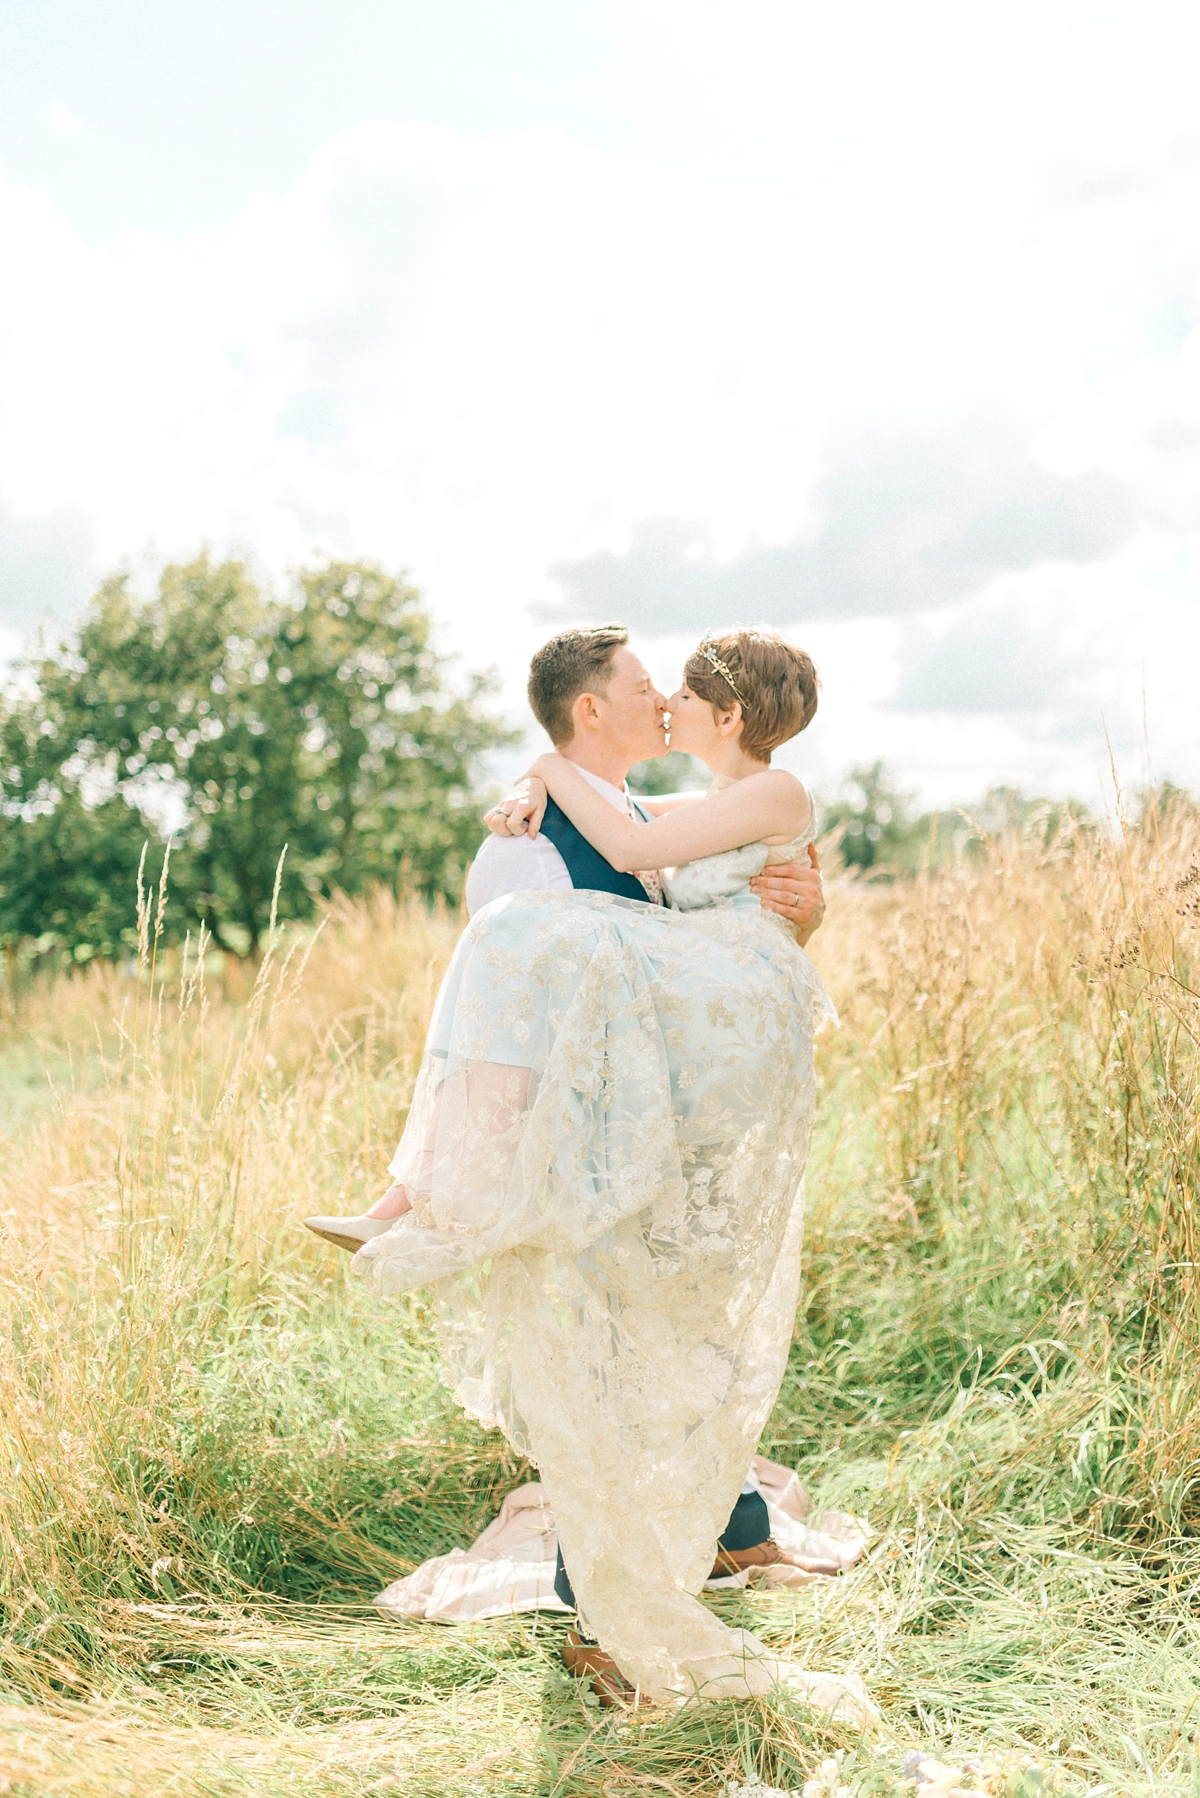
795,898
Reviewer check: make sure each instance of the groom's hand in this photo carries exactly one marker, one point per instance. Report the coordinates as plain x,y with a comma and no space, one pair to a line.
794,890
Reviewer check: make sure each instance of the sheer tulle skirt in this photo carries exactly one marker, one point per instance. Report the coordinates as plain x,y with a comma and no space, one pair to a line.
605,1154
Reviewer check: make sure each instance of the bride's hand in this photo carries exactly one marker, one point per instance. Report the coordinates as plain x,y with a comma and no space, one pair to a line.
520,814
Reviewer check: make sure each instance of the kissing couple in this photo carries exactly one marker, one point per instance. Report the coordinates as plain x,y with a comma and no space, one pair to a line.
601,1176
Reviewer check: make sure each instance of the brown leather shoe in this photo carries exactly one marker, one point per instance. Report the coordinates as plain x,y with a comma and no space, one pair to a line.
763,1555
587,1660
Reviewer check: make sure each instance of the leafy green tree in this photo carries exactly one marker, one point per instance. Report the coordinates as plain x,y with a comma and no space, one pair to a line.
674,772
67,878
875,819
240,723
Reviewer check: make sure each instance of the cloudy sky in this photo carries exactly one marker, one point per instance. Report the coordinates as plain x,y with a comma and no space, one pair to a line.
876,322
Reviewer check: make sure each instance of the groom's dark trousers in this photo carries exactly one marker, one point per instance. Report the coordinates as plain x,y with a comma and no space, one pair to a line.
748,1522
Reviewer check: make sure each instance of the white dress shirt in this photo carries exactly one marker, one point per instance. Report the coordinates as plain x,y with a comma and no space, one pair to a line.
516,865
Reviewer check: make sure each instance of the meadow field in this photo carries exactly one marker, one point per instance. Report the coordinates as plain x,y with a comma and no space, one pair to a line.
215,1447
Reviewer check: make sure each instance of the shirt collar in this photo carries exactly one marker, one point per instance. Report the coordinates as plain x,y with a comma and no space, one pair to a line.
616,796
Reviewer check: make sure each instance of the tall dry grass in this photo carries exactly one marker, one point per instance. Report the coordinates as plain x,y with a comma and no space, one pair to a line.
213,1449
1016,1099
159,1436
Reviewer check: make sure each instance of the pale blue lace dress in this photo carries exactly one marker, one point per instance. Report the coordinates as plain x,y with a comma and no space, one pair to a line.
605,1153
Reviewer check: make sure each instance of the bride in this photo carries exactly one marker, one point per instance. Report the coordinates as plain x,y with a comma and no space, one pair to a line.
601,1174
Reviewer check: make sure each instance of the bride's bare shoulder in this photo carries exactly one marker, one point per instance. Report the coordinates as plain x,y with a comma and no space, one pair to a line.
790,803
784,779
785,786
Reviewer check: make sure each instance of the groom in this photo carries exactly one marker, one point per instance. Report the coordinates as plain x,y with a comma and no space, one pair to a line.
600,709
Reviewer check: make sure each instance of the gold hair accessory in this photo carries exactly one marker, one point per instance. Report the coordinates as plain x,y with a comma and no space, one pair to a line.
711,655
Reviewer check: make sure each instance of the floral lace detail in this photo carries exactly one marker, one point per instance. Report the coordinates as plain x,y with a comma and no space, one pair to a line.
605,1154
717,879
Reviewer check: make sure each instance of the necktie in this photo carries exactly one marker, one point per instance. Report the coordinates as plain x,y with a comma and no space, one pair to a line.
649,879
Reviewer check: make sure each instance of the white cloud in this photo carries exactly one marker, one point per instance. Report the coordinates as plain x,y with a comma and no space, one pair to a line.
992,659
904,522
59,119
489,356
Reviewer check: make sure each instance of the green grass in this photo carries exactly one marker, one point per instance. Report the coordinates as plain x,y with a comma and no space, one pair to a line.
215,1448
27,1079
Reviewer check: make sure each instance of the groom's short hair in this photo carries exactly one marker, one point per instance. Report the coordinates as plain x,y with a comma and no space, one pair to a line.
572,663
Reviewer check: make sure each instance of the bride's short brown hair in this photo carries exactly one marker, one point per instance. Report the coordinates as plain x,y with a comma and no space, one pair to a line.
775,683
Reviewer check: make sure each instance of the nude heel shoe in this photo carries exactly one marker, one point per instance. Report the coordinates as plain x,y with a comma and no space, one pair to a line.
349,1232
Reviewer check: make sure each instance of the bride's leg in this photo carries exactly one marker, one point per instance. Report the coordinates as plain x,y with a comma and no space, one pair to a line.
480,1126
494,1097
394,1203
497,1096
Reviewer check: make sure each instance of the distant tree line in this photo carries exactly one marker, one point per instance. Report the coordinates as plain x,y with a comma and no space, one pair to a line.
234,722
877,829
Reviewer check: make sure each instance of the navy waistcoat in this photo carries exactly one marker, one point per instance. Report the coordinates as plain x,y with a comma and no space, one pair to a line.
586,866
